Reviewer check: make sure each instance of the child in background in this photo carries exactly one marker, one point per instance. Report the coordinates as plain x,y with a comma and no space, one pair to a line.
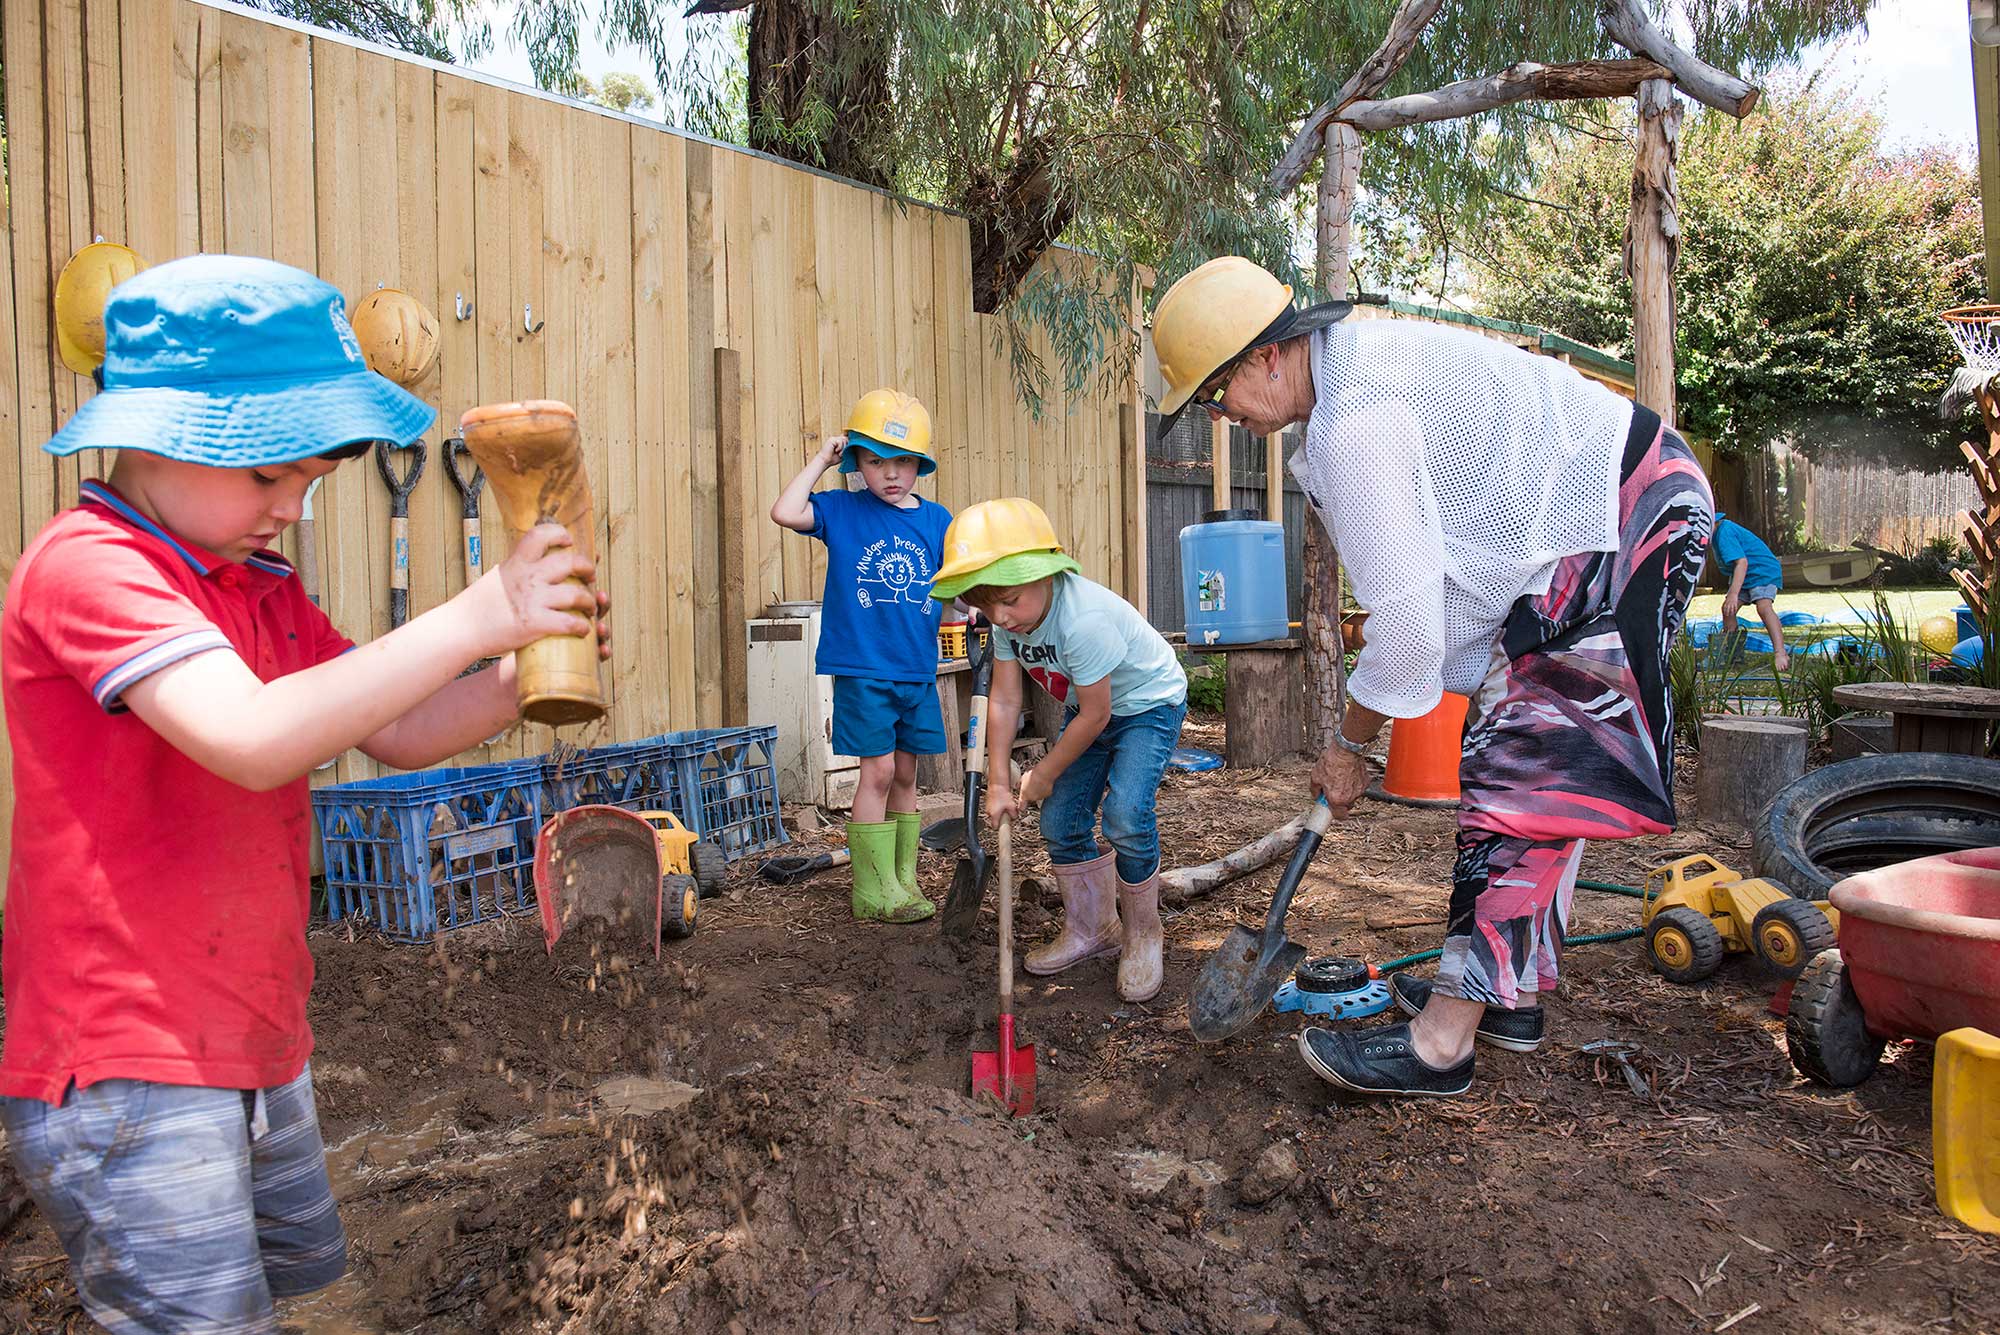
1754,576
168,688
1124,696
879,633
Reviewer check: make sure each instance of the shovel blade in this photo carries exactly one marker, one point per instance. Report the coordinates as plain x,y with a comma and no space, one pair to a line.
944,836
1238,981
968,890
1008,1074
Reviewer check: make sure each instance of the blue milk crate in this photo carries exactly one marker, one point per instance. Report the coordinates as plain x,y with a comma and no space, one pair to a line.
637,776
729,781
421,853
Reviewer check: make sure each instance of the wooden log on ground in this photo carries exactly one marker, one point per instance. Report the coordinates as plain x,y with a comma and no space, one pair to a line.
1745,762
1189,883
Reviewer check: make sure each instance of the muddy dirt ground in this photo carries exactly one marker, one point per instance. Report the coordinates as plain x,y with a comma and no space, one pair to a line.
816,1164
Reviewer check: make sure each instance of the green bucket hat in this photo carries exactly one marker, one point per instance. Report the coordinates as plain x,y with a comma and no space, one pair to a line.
1006,573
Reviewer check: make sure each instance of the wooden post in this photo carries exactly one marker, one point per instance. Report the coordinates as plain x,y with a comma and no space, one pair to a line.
1218,458
1263,707
1986,104
1274,478
1132,436
1744,764
1653,243
732,559
1326,663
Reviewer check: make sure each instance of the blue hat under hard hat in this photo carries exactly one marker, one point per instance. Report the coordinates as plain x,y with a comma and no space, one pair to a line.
235,362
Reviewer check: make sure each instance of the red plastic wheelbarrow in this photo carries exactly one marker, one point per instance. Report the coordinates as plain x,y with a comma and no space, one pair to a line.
1919,956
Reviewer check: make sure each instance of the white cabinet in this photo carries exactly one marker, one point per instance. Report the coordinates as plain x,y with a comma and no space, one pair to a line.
786,691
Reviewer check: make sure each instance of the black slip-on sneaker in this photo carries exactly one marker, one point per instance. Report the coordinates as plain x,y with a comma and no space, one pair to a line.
1516,1031
1379,1061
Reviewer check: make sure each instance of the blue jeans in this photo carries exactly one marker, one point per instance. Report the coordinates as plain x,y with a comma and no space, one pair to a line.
1121,770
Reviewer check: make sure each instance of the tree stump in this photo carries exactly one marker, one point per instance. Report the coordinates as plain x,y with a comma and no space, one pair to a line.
1860,735
1745,762
1264,707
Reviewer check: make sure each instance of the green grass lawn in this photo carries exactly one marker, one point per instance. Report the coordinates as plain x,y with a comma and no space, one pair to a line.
1836,605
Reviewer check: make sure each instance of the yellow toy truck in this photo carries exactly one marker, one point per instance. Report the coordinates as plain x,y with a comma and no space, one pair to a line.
1695,911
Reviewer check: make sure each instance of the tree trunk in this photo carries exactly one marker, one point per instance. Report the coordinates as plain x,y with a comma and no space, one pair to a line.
800,55
1326,666
1652,245
1013,219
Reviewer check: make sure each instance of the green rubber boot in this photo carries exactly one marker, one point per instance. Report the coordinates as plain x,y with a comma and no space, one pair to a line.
879,896
908,827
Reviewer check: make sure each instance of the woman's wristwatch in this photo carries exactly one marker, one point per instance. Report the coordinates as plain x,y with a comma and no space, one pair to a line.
1355,748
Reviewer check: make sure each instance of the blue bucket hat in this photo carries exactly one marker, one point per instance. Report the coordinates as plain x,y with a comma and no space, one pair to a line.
235,362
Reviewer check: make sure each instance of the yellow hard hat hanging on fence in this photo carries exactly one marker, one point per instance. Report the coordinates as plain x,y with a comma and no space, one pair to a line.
888,422
82,289
398,335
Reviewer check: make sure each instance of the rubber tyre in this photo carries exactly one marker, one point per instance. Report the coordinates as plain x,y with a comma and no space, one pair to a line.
1788,933
1826,1033
680,907
710,867
1683,945
1913,803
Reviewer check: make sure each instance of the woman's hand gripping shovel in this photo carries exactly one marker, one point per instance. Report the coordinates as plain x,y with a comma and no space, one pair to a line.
975,868
1247,969
1009,1073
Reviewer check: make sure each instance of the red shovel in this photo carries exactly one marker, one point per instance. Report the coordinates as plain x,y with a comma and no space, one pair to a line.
1008,1074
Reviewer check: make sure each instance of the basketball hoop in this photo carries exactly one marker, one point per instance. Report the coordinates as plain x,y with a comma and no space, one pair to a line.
1976,331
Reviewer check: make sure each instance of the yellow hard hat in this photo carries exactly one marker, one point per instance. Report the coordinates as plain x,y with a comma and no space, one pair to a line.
1217,312
82,288
1007,541
398,335
1939,634
888,422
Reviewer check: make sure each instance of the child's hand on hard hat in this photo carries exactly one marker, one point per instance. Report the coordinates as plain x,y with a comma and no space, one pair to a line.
828,455
533,594
1001,804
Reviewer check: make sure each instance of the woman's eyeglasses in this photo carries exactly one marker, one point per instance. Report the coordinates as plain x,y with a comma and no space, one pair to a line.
1209,396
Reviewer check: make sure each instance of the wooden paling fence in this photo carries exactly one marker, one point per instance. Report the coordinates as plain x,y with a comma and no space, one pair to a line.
710,313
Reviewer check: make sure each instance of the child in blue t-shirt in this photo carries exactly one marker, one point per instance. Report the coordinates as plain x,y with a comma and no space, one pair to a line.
878,633
1754,577
1124,697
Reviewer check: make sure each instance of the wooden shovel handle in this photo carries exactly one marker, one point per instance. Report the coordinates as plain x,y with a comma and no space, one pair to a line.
1007,916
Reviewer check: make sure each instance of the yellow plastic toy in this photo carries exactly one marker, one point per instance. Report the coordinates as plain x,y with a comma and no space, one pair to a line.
1965,1127
1939,634
690,871
1696,910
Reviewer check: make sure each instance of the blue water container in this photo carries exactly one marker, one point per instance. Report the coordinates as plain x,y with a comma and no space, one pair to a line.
1233,579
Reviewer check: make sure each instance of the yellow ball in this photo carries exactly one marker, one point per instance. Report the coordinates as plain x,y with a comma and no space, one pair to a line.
1939,634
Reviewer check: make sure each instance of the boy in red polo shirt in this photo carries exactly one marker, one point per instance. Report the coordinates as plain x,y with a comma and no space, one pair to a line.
168,688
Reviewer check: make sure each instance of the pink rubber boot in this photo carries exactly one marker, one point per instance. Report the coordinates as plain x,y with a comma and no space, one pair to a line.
1090,917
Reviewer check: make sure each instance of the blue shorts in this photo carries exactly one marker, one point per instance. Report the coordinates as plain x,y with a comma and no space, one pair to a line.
873,717
1757,593
183,1208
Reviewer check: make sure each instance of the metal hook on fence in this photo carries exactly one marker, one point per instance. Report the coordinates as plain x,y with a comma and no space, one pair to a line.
463,308
528,322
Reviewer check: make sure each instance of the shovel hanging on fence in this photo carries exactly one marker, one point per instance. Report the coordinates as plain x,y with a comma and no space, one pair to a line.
399,525
468,502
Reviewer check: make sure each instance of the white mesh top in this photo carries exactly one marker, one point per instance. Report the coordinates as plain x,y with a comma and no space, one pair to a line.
1453,472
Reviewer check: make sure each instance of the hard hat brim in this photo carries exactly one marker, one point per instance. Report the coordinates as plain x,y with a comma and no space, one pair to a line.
1007,572
855,441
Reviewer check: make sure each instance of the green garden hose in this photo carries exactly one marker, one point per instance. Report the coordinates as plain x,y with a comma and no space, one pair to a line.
1601,887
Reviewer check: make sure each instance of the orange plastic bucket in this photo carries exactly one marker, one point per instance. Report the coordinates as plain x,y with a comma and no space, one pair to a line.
1424,754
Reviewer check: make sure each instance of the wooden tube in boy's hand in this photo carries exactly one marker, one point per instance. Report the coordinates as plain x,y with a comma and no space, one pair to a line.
532,454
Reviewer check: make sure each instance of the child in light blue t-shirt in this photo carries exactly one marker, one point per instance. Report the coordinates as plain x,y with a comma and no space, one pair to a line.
1124,696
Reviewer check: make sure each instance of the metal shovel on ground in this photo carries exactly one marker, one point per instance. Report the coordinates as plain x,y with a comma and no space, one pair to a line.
1247,969
1008,1072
